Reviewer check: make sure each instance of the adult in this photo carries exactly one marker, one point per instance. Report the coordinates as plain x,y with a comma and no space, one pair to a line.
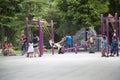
11,50
23,43
68,41
5,49
35,41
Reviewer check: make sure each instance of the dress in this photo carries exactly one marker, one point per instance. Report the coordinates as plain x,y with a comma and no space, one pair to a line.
30,48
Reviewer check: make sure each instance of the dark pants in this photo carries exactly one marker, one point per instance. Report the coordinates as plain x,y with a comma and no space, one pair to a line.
61,50
24,48
113,50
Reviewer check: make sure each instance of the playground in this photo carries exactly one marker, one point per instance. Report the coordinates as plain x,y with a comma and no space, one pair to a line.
59,39
69,66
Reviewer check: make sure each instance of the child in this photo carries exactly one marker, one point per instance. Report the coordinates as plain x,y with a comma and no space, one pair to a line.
114,46
82,43
104,47
30,49
52,44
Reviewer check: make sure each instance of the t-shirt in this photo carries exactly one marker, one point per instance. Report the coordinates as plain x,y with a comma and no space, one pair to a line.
91,39
114,43
68,40
35,42
105,44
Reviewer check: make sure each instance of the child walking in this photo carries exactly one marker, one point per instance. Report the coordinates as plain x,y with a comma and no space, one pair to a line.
30,49
104,47
114,46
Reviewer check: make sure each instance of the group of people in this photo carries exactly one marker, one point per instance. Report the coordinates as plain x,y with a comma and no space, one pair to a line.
7,49
113,47
68,43
32,49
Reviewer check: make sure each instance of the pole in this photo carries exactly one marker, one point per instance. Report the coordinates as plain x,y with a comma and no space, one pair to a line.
52,35
107,29
27,37
86,33
27,41
40,38
116,27
119,28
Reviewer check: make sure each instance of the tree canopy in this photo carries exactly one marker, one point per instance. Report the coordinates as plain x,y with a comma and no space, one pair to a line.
68,15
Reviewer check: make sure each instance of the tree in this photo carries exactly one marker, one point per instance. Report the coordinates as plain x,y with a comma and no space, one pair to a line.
8,8
114,7
81,13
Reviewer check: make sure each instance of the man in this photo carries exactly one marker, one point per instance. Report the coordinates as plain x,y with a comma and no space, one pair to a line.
23,44
35,41
68,40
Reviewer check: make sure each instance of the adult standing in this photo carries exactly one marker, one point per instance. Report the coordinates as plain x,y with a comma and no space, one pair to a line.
35,41
23,43
68,40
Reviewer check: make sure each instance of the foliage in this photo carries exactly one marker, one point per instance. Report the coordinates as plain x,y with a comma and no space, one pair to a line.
83,12
68,16
114,7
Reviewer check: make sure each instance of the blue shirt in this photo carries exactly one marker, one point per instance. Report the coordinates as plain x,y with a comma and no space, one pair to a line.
114,43
68,40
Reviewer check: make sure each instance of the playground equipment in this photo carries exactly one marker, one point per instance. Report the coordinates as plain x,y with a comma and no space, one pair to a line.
40,34
84,35
113,20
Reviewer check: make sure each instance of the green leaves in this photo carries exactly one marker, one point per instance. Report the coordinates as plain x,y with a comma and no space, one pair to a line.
83,12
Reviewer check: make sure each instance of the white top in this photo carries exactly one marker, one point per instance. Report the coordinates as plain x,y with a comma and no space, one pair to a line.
30,48
55,44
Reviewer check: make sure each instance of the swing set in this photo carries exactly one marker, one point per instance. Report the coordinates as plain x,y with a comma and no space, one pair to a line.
40,29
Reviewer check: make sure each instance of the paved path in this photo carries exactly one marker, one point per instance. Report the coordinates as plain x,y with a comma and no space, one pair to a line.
70,66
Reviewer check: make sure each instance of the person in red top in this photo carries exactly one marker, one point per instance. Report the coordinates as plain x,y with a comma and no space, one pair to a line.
23,44
10,48
5,46
5,50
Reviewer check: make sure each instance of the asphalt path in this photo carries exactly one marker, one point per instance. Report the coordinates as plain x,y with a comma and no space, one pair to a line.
69,66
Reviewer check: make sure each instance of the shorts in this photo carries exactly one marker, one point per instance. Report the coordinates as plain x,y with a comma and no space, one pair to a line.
36,49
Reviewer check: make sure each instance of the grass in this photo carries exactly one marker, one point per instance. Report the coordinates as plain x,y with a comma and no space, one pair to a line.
1,54
19,51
